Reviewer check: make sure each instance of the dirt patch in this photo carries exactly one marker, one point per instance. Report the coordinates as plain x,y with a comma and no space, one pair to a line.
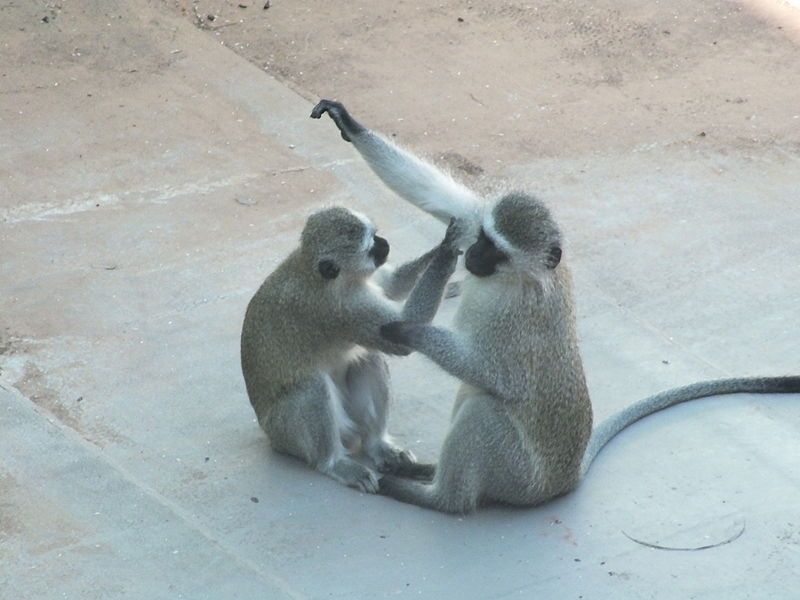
10,525
69,411
460,164
532,80
25,515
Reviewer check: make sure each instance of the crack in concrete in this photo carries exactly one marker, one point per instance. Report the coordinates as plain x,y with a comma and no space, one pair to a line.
181,514
39,211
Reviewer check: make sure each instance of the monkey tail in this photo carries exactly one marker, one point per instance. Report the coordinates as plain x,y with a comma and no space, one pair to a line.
609,428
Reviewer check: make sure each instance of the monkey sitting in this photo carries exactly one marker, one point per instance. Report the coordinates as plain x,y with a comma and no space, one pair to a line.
521,428
310,345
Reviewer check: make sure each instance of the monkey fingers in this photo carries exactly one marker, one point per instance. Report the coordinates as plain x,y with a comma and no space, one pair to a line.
393,458
400,332
419,471
451,238
395,349
347,125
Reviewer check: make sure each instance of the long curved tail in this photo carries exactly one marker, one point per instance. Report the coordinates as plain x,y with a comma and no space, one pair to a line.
609,428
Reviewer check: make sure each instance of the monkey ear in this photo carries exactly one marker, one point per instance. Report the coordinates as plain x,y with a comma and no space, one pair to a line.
328,269
553,257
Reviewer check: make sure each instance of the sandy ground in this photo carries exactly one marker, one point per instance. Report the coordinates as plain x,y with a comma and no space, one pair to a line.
156,164
504,82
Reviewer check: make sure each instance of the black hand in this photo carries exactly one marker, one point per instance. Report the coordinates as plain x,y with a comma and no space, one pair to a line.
347,125
397,332
449,243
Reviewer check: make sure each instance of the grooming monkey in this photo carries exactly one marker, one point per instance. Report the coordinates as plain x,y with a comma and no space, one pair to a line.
521,429
310,345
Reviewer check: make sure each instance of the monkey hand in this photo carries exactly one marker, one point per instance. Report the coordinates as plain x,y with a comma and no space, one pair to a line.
336,110
454,238
395,349
449,245
402,333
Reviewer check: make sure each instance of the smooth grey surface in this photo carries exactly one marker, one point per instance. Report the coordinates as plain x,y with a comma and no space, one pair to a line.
129,455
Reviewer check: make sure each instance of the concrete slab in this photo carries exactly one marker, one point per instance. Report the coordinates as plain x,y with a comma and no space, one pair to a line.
130,461
76,525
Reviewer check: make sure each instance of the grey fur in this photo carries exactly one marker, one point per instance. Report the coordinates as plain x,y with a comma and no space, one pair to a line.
609,428
521,436
522,417
412,178
526,223
521,425
310,347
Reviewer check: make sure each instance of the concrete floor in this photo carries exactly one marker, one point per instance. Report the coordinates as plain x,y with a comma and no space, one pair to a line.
150,178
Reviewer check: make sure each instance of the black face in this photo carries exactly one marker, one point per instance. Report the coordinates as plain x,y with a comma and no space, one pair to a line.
483,257
380,250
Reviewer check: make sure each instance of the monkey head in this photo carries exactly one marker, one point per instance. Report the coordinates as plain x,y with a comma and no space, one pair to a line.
518,236
339,241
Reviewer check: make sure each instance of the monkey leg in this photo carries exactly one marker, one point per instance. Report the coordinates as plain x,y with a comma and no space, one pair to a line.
309,422
462,473
366,399
504,467
445,494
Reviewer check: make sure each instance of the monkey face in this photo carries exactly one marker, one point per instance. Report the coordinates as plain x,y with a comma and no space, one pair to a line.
518,237
379,251
343,242
483,257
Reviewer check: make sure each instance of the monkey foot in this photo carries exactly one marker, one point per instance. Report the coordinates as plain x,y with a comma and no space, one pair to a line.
367,483
354,475
403,463
419,471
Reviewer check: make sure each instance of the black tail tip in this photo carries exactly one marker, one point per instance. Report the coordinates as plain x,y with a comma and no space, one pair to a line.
788,385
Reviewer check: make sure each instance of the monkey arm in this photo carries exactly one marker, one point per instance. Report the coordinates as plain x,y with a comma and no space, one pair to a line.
440,262
453,354
373,311
426,296
412,178
398,282
365,316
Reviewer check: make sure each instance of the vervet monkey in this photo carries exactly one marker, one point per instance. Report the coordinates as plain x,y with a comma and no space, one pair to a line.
310,345
521,430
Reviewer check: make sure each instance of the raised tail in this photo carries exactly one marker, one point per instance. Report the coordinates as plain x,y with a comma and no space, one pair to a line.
609,428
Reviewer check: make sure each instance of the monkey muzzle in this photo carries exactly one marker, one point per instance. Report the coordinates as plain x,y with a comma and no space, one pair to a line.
483,257
379,251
